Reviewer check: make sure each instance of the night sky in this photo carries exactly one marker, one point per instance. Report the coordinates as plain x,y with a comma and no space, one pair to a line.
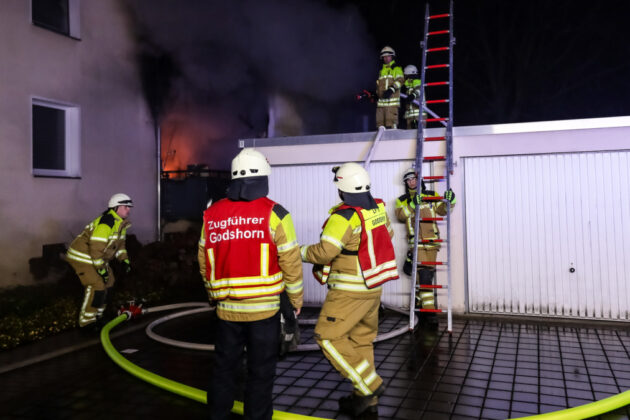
210,66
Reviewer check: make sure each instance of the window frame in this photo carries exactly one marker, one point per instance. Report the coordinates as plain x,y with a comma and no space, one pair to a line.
72,139
74,21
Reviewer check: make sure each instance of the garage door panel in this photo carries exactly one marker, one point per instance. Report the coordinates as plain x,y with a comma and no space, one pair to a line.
549,234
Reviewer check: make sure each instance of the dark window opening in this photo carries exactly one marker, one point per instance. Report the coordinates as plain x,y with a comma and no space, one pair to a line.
49,138
51,14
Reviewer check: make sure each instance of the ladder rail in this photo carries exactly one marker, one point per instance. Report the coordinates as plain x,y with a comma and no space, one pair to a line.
447,122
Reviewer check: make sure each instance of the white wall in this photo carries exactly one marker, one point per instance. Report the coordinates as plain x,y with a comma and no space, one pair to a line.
399,146
98,74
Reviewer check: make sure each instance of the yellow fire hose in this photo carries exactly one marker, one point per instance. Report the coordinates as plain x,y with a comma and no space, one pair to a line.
585,411
170,385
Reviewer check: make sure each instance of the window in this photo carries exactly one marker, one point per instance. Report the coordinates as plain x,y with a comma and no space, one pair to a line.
55,139
60,16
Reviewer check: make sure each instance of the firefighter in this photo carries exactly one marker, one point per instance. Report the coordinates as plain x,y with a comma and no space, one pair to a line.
92,251
354,258
248,255
412,88
427,251
390,81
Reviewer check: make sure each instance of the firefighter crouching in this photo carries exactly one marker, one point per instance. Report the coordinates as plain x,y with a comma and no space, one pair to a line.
248,255
91,252
354,257
427,250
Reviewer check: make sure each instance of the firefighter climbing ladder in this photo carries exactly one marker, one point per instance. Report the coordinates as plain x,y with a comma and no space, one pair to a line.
437,65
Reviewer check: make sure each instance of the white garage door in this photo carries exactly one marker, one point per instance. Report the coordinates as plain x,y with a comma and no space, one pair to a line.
549,235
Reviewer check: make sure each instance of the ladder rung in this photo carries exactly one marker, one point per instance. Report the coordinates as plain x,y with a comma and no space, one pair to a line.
438,49
431,241
436,119
432,286
431,263
434,138
436,84
433,178
435,198
429,310
440,16
445,31
437,101
434,158
431,219
436,66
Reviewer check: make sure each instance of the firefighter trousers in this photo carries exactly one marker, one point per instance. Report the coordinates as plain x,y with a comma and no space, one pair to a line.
231,338
95,292
345,331
387,116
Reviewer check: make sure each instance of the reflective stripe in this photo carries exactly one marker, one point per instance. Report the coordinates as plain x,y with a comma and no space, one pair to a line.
287,246
248,292
211,260
354,376
97,239
82,314
332,240
248,307
384,266
363,366
246,281
303,251
352,287
79,256
264,260
202,242
294,287
371,378
384,275
98,262
119,253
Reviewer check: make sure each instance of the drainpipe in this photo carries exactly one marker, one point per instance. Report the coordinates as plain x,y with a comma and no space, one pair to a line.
158,142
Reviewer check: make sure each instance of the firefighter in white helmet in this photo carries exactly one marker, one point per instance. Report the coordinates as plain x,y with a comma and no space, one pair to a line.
354,258
412,89
90,254
248,255
390,81
429,232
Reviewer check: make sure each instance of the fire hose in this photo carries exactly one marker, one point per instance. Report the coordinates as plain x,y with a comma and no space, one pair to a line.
168,384
593,409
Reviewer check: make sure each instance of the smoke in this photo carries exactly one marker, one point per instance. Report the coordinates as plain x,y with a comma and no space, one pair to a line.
227,58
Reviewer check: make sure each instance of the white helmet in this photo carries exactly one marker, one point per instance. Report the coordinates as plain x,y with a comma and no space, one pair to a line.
120,199
410,70
387,50
410,173
249,163
351,178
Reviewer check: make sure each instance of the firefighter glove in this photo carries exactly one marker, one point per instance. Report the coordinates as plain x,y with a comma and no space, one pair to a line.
450,196
388,93
127,265
416,199
104,274
411,97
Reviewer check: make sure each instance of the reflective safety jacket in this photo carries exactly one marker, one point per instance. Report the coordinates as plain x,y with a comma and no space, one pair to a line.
248,254
390,75
412,111
355,252
101,241
405,212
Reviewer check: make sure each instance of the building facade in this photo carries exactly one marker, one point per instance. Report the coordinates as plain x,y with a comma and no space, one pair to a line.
74,126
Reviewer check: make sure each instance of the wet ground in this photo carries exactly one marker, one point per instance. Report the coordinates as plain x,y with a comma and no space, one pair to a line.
487,369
